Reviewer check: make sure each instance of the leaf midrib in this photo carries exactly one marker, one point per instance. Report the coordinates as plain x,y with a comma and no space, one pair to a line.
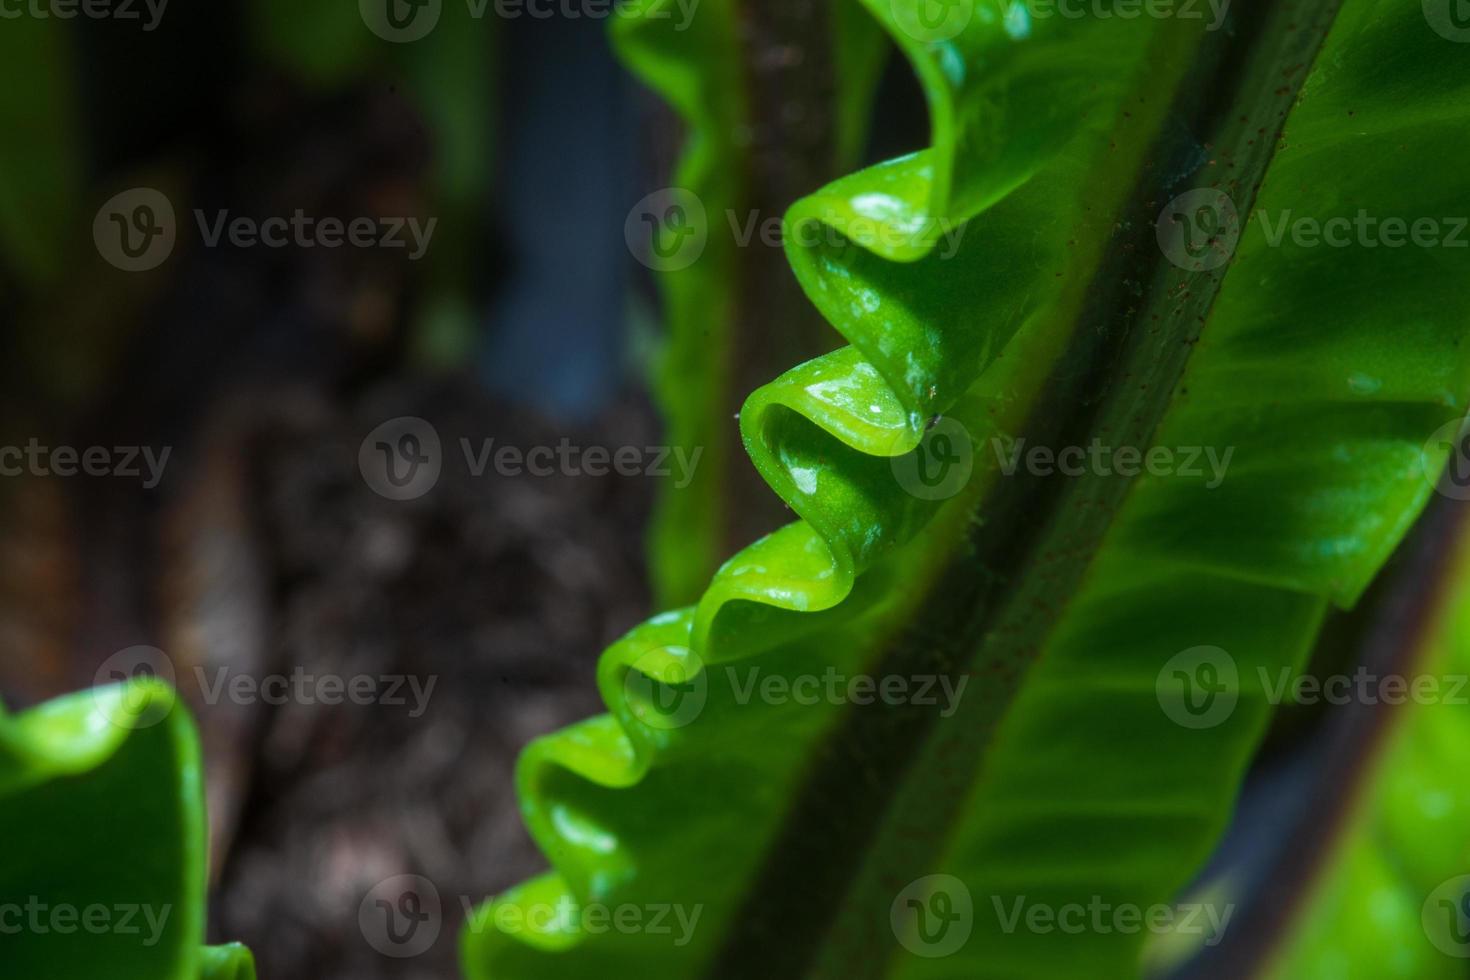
995,601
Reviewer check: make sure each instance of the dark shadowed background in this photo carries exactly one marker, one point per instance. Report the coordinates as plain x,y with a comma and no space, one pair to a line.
257,547
262,550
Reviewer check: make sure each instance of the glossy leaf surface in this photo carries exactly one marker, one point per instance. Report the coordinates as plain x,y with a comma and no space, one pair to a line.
101,797
1075,766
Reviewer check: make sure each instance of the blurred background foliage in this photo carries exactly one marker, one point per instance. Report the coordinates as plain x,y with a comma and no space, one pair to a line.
263,549
529,321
